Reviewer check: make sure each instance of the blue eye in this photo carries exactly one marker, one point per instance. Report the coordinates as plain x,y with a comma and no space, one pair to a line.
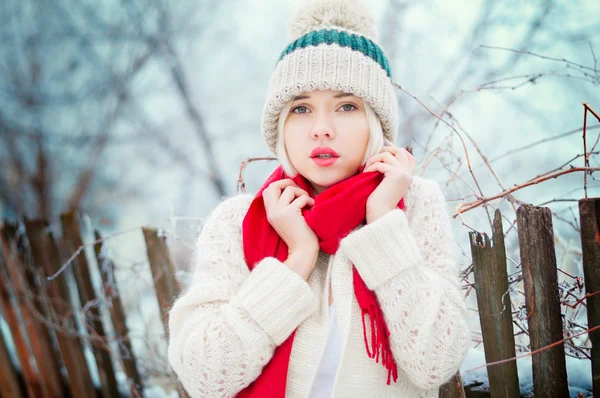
344,107
303,109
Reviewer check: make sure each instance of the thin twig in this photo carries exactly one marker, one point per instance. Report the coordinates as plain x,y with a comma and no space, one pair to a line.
241,185
463,208
566,61
533,352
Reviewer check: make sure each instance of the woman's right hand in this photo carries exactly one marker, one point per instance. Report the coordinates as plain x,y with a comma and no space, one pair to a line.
284,202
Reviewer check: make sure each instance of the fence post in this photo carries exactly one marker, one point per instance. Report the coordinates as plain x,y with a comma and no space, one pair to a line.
589,215
23,282
163,273
452,388
93,322
117,314
538,259
8,374
46,254
495,309
32,385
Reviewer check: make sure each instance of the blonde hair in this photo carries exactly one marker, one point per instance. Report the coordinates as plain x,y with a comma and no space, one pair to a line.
376,139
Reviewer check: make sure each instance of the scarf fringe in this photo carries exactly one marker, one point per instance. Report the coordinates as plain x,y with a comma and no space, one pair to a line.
379,341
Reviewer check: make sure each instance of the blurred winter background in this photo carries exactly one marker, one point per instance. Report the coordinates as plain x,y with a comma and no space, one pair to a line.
140,113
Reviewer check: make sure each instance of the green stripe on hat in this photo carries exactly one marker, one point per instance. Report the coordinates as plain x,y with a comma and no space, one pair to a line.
343,39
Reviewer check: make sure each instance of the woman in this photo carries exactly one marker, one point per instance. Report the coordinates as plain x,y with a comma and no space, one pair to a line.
338,277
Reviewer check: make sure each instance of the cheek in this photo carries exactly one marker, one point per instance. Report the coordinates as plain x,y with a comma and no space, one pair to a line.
357,123
359,131
292,137
364,130
359,139
364,134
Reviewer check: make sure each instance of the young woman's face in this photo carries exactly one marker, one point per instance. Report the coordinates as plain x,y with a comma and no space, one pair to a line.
326,134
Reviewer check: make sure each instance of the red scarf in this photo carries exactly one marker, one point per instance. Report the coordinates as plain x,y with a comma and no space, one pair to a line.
337,211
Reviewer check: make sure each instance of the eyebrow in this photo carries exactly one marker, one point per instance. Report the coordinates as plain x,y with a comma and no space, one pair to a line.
342,95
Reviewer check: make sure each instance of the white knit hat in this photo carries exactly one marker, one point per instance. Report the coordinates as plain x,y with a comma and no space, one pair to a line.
333,45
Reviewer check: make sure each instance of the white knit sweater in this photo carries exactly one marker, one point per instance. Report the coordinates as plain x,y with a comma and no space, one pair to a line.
226,325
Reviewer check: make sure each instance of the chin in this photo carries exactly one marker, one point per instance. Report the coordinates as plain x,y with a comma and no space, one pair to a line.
327,178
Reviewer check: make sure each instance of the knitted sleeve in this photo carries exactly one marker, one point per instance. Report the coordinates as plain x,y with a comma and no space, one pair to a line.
407,258
224,328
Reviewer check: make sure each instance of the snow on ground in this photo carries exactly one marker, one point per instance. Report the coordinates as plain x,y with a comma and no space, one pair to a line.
579,372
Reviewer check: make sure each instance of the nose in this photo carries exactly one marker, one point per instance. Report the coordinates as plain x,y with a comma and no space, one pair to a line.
322,129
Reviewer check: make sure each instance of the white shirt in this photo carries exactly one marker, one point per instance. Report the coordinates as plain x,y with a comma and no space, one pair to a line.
323,383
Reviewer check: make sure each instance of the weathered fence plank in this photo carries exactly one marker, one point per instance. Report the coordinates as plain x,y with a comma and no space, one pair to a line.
32,385
538,258
163,272
23,282
589,214
495,309
165,283
117,313
87,295
46,254
453,388
8,374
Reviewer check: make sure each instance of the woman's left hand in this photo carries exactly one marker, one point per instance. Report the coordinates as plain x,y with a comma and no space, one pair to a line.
397,165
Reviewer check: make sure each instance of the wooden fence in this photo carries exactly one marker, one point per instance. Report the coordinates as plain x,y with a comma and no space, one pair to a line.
42,317
544,316
41,314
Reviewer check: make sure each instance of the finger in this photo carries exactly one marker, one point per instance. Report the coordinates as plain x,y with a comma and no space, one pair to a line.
272,194
394,151
371,160
283,184
291,193
391,149
398,153
384,157
380,167
303,201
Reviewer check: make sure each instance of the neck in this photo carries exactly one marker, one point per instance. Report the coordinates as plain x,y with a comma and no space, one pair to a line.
317,188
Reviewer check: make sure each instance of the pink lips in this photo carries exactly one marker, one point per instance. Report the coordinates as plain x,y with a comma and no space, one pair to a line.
323,161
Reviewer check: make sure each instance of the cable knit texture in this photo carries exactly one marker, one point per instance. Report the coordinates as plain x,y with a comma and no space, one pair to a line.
226,325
